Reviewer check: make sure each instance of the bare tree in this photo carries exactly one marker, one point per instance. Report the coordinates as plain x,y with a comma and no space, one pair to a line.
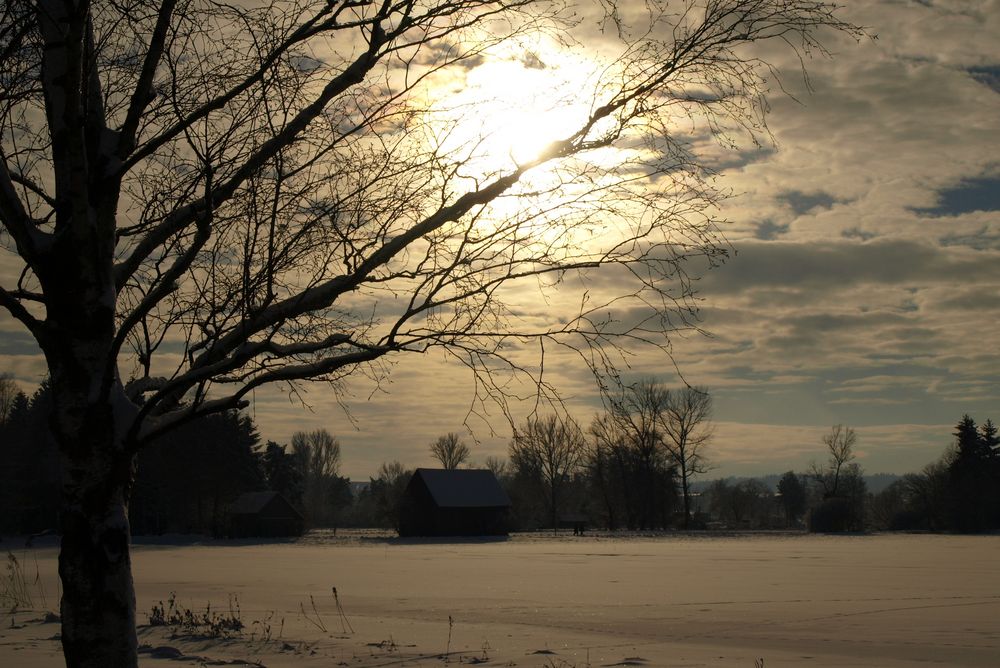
498,466
388,488
450,450
686,423
840,447
842,483
317,457
630,438
549,449
8,390
201,198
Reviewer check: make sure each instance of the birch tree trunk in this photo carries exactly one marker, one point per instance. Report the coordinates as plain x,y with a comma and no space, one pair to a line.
89,421
90,412
98,600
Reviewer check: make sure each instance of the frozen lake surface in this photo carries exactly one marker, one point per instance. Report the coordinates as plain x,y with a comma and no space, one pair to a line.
538,600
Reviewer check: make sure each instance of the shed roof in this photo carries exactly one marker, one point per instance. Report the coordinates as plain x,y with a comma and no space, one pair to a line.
464,488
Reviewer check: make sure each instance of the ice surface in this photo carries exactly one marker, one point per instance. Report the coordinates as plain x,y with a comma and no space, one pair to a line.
538,600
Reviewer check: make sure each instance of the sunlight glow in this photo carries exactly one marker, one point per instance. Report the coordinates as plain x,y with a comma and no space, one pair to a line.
522,119
501,111
513,105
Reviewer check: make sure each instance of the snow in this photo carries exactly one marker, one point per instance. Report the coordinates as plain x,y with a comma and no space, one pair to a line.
539,600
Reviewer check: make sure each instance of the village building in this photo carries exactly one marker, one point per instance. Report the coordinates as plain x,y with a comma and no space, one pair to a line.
458,502
265,515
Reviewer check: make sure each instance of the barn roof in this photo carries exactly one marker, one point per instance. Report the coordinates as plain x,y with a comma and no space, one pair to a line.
251,503
464,488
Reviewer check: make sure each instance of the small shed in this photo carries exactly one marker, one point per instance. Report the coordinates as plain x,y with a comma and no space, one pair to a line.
264,514
457,502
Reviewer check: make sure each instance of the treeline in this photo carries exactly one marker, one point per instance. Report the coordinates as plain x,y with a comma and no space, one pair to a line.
29,461
631,468
185,480
958,492
556,474
621,475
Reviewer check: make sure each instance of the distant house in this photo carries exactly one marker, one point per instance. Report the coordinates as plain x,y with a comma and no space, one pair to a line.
459,502
264,514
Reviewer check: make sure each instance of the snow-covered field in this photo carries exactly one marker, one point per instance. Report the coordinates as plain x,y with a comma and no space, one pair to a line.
538,600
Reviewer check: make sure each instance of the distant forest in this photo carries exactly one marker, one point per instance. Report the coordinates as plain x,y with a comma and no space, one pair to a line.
616,475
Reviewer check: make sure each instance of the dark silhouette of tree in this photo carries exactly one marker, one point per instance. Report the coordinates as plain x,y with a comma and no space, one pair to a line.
841,483
973,480
281,472
794,497
31,484
631,459
928,496
317,458
636,417
201,205
387,489
188,478
991,442
840,449
16,455
989,438
8,391
450,451
969,442
605,479
548,450
745,504
686,422
498,466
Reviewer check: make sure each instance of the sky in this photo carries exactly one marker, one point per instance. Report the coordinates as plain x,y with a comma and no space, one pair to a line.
864,288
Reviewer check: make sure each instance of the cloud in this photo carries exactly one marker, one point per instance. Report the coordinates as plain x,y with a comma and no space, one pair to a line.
839,265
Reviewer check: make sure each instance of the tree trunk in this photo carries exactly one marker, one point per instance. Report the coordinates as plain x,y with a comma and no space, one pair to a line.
687,496
98,599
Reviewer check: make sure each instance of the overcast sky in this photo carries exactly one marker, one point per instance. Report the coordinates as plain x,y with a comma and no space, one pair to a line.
865,288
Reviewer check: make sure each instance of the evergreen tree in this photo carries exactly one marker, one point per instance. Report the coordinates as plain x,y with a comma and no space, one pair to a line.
281,473
187,479
989,439
971,446
971,479
29,478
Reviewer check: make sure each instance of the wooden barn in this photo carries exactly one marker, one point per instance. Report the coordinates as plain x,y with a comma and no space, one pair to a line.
459,502
264,514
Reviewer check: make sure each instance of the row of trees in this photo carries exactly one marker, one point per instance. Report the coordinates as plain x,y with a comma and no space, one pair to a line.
626,471
185,480
958,492
632,468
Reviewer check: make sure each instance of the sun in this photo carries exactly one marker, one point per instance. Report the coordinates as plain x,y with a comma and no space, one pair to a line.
501,113
526,107
512,105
